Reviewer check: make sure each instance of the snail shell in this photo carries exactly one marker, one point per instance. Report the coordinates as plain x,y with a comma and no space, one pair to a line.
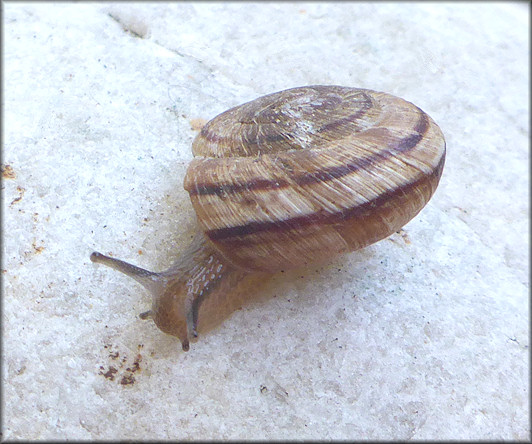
292,178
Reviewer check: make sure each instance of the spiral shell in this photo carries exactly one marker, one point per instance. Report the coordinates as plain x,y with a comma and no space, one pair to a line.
310,173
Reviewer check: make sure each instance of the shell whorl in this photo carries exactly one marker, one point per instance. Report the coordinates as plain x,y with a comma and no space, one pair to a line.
309,173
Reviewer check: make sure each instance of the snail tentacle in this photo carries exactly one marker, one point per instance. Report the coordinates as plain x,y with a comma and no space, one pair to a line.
148,279
146,315
191,310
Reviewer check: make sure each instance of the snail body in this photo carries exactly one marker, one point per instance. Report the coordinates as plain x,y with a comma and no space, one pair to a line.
292,178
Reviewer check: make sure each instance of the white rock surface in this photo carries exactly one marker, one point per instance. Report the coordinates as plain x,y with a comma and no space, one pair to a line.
421,336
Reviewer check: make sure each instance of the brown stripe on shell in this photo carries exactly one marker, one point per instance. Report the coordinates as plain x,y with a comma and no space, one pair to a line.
406,144
321,217
402,146
411,141
366,105
276,136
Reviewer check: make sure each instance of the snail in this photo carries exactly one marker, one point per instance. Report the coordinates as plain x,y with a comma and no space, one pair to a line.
289,179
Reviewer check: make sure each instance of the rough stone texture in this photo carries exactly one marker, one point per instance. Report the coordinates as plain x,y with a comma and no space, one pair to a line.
422,336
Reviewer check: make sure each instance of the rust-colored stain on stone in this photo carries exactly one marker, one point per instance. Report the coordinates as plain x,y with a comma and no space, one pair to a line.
121,370
8,172
21,192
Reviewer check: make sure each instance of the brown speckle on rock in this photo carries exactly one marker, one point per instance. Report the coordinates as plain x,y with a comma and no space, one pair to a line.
8,172
38,248
109,374
21,192
127,380
121,371
136,363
